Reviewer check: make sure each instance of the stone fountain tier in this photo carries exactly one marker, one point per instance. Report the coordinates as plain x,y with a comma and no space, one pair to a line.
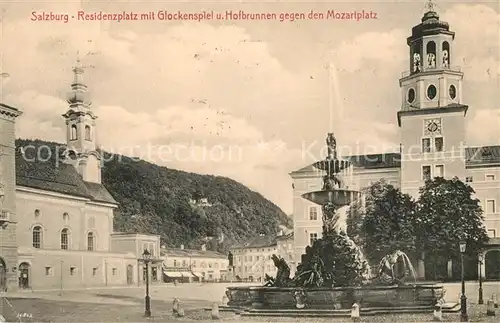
338,197
423,296
332,165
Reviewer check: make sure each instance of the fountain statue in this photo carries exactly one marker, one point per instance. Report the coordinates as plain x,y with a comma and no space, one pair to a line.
333,273
334,193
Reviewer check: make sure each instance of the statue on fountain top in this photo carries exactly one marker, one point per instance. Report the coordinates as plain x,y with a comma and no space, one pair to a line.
331,144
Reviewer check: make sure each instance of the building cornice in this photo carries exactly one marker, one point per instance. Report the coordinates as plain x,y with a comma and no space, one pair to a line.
407,75
9,112
451,108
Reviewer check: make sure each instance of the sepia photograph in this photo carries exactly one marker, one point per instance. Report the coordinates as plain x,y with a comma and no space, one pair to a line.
249,161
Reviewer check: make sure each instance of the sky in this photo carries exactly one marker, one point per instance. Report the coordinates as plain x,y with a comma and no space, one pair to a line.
252,100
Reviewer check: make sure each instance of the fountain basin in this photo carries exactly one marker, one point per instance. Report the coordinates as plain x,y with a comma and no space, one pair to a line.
337,197
258,297
332,165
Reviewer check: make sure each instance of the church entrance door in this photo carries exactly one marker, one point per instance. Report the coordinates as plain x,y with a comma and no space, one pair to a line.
24,275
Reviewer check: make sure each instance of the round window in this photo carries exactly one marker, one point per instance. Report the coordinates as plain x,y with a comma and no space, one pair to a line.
411,96
453,92
431,92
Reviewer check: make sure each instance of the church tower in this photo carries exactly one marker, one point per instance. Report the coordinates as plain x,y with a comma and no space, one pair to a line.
432,116
81,130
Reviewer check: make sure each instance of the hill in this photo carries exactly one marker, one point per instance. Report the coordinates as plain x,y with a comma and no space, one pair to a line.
171,203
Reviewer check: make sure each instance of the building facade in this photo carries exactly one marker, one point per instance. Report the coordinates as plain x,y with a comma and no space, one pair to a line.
190,265
433,136
56,215
253,260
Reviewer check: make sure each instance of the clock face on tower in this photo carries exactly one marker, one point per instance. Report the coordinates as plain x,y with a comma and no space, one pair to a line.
432,126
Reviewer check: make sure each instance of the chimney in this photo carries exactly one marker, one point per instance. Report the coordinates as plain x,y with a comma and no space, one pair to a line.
182,246
203,247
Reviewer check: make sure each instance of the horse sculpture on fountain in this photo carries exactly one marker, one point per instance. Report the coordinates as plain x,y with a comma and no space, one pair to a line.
282,276
386,269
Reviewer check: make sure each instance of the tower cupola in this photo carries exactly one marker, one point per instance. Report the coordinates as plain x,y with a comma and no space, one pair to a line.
81,128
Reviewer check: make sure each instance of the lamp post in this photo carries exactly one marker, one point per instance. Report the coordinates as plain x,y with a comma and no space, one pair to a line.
463,298
146,257
481,259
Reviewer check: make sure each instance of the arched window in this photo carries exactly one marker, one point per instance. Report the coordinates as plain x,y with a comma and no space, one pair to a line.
64,239
37,237
87,133
431,54
446,54
37,213
90,241
65,216
73,134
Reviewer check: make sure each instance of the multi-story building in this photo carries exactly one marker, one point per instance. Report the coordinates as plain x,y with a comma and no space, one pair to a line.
432,127
253,260
284,249
194,265
56,215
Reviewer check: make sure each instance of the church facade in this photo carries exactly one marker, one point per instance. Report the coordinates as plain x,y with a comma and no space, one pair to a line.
433,136
57,217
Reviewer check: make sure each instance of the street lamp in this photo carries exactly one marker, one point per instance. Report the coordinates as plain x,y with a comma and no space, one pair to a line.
463,298
481,259
146,257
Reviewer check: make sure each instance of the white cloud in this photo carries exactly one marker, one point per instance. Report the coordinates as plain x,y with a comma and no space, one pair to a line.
199,88
484,128
382,47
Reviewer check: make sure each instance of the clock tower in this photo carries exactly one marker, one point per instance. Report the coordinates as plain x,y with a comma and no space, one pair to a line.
432,116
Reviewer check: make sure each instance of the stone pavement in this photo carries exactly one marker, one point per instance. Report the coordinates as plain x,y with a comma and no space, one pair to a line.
453,290
206,292
127,304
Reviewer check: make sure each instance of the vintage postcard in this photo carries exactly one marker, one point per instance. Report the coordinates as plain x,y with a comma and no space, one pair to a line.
249,161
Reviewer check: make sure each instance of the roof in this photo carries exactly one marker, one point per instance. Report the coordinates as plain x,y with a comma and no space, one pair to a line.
474,156
39,168
482,155
134,234
373,161
178,252
259,242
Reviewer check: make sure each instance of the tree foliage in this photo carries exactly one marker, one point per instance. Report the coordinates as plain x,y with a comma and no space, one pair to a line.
447,213
386,222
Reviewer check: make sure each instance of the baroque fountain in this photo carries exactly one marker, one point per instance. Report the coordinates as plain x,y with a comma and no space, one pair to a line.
333,274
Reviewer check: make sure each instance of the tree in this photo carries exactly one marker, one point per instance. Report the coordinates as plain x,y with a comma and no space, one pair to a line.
447,213
385,223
